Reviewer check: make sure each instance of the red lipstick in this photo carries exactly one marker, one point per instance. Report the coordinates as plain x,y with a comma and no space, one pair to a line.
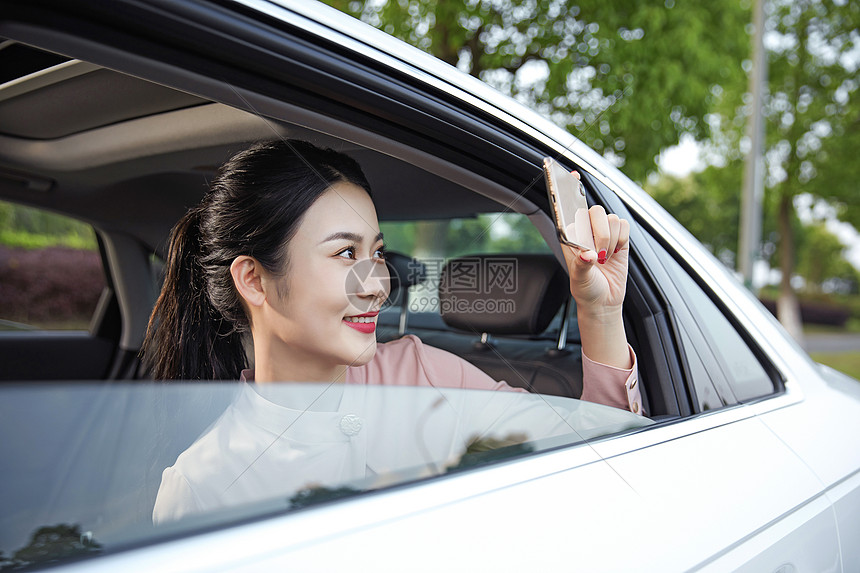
364,327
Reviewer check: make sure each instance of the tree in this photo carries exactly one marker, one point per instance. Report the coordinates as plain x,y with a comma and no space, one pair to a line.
626,77
812,113
706,203
821,259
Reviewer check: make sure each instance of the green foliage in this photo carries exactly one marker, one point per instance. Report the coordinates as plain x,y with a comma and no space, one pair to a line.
707,204
813,109
846,362
6,215
838,168
466,236
812,112
661,69
399,237
821,259
25,240
657,69
486,233
29,228
519,235
813,138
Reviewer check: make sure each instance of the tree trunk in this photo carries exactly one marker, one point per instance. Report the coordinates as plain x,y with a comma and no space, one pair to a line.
787,306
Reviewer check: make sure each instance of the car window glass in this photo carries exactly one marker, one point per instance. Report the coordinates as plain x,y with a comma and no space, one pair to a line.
96,468
735,372
51,274
707,395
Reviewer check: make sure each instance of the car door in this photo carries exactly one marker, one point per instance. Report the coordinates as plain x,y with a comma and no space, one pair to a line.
716,490
753,503
724,331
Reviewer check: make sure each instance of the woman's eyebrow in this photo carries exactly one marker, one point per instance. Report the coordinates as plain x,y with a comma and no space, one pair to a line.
346,235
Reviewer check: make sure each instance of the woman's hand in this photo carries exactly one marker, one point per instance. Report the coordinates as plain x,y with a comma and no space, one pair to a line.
598,281
598,278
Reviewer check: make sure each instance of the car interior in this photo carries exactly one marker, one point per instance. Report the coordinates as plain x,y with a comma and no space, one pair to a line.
130,156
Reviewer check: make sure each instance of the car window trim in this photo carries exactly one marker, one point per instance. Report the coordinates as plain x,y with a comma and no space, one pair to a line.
773,372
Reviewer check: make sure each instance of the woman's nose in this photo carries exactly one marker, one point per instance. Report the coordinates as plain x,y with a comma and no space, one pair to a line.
368,284
378,284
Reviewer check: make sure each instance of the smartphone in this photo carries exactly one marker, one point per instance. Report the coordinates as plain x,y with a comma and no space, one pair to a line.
567,198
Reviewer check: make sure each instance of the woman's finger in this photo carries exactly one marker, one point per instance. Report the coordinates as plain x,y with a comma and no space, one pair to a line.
614,230
623,235
600,231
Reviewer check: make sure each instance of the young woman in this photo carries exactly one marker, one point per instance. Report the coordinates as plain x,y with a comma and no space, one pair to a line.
268,252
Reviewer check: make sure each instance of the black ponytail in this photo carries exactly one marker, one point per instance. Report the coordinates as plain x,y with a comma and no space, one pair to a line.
253,208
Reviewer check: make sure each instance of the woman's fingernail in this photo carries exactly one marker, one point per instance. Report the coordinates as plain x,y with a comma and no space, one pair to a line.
617,249
583,259
601,256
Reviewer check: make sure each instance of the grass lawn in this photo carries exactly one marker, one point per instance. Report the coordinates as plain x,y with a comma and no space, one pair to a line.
847,362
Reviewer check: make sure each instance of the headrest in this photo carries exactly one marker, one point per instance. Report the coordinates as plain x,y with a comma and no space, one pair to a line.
404,270
502,294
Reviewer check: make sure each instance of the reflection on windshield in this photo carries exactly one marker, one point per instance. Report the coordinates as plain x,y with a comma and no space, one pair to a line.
49,545
319,494
118,461
483,450
277,440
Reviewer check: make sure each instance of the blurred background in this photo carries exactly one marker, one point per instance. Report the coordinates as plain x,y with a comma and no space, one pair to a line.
677,96
675,93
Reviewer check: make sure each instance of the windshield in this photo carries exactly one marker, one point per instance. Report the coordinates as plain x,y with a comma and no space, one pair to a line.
90,469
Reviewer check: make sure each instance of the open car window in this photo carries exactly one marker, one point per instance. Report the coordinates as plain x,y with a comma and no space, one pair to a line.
434,243
96,465
51,275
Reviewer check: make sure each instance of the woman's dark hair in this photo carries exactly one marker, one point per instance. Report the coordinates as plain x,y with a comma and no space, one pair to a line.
253,207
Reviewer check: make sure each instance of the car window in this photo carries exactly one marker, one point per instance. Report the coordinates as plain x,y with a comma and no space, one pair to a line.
51,274
434,242
171,458
723,367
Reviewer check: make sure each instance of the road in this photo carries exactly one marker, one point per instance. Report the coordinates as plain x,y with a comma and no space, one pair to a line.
820,342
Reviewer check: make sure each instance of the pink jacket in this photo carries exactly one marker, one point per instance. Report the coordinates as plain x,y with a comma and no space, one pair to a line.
409,362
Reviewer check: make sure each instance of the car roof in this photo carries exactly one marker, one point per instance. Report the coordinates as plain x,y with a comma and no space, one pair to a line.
121,151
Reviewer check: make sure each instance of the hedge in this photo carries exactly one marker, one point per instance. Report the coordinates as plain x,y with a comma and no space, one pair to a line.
50,286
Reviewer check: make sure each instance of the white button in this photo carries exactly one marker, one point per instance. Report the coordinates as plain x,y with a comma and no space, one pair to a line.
350,424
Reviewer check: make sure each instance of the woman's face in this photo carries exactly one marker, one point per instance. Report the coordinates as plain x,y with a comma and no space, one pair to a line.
336,273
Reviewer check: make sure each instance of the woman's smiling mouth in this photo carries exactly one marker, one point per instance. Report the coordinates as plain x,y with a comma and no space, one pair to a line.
365,323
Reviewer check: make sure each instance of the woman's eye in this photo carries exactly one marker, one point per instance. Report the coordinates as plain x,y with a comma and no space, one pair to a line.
380,253
347,253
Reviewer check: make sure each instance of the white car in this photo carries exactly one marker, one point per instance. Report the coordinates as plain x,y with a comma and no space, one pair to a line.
118,113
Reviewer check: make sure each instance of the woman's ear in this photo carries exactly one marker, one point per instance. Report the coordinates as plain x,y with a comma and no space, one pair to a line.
247,276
